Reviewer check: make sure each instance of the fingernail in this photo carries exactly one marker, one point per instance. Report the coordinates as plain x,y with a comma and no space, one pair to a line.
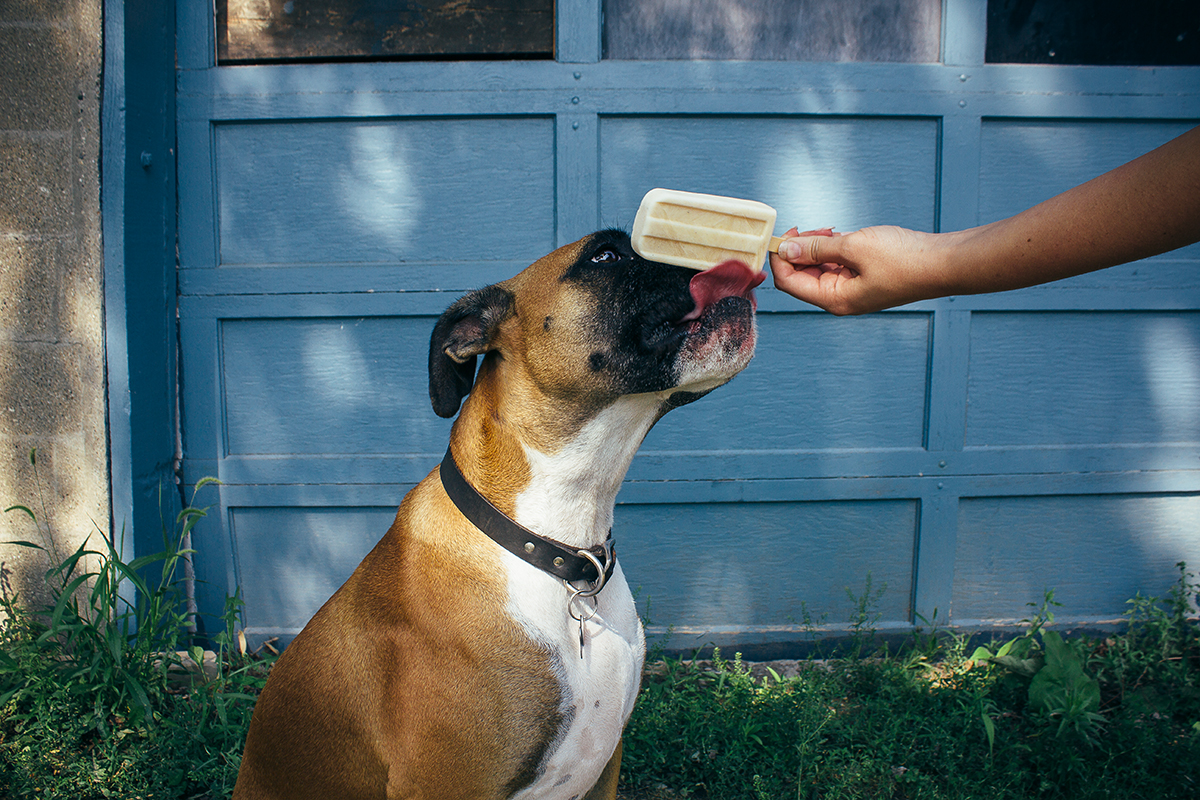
789,250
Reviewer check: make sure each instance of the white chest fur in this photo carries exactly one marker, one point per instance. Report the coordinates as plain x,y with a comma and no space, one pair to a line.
598,687
570,498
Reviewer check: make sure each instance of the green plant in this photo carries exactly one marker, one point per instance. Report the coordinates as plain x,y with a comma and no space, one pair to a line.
906,724
1059,685
93,639
1161,643
865,615
899,725
96,697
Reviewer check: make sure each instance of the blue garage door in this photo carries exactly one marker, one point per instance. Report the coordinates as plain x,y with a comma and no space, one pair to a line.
956,456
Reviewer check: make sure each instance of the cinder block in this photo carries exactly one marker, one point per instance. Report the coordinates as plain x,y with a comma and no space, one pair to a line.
52,290
51,272
35,182
80,309
39,83
73,469
63,508
29,288
57,12
40,389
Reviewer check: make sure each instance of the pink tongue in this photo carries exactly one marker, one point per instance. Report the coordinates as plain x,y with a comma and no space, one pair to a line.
728,279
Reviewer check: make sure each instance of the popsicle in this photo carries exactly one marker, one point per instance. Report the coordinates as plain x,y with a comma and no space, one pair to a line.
699,231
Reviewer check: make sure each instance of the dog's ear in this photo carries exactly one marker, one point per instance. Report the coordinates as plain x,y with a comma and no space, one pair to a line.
465,331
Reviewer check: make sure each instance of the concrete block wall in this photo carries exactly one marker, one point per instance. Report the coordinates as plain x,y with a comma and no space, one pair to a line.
51,281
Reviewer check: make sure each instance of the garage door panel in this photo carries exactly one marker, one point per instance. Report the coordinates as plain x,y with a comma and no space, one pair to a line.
793,396
328,386
384,191
1023,162
1083,378
846,172
725,565
1094,551
289,561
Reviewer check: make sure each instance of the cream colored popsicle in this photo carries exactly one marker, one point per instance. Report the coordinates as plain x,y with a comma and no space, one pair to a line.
702,230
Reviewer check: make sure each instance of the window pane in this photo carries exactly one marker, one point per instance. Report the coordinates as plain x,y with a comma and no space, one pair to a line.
1098,32
328,30
774,30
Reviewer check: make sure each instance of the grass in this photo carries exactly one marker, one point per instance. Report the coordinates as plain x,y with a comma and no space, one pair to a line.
103,698
1034,716
100,698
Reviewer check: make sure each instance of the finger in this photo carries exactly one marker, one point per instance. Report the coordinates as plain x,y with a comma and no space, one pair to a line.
794,231
807,251
809,284
828,287
807,248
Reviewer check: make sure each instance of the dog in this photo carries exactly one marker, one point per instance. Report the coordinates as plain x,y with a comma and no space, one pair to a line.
488,646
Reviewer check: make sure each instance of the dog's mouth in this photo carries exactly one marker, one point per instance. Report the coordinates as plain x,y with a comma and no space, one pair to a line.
722,298
712,286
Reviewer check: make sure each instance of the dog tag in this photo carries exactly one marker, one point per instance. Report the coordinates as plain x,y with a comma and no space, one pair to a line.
581,616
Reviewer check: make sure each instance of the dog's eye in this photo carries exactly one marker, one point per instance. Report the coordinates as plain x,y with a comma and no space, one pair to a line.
606,255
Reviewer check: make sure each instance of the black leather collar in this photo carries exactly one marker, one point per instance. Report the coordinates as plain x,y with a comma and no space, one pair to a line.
550,556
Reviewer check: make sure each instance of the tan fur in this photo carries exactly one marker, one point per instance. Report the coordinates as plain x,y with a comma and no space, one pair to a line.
413,681
425,681
412,652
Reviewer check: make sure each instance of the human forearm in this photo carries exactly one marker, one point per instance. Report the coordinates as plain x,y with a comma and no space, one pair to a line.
1150,205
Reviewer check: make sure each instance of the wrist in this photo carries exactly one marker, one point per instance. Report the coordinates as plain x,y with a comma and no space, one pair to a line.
932,270
953,263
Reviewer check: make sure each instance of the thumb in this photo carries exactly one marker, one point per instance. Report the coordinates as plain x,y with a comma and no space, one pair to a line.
810,247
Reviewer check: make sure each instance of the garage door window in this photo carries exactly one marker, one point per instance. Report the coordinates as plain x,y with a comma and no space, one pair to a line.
266,31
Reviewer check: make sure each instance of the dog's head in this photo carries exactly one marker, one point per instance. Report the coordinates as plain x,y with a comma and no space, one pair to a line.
593,321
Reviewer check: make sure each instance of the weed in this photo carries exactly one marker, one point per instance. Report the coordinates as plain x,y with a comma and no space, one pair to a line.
1059,685
1019,718
865,615
1160,648
95,697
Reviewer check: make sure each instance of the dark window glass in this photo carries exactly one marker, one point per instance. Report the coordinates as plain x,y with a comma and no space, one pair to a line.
1099,32
774,30
330,30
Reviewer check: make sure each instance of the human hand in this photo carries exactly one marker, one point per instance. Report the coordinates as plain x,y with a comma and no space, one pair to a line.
855,273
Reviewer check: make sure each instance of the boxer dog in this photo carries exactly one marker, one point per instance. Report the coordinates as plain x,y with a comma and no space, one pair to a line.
488,646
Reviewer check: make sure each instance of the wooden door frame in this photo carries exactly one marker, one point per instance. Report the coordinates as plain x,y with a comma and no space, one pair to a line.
138,223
